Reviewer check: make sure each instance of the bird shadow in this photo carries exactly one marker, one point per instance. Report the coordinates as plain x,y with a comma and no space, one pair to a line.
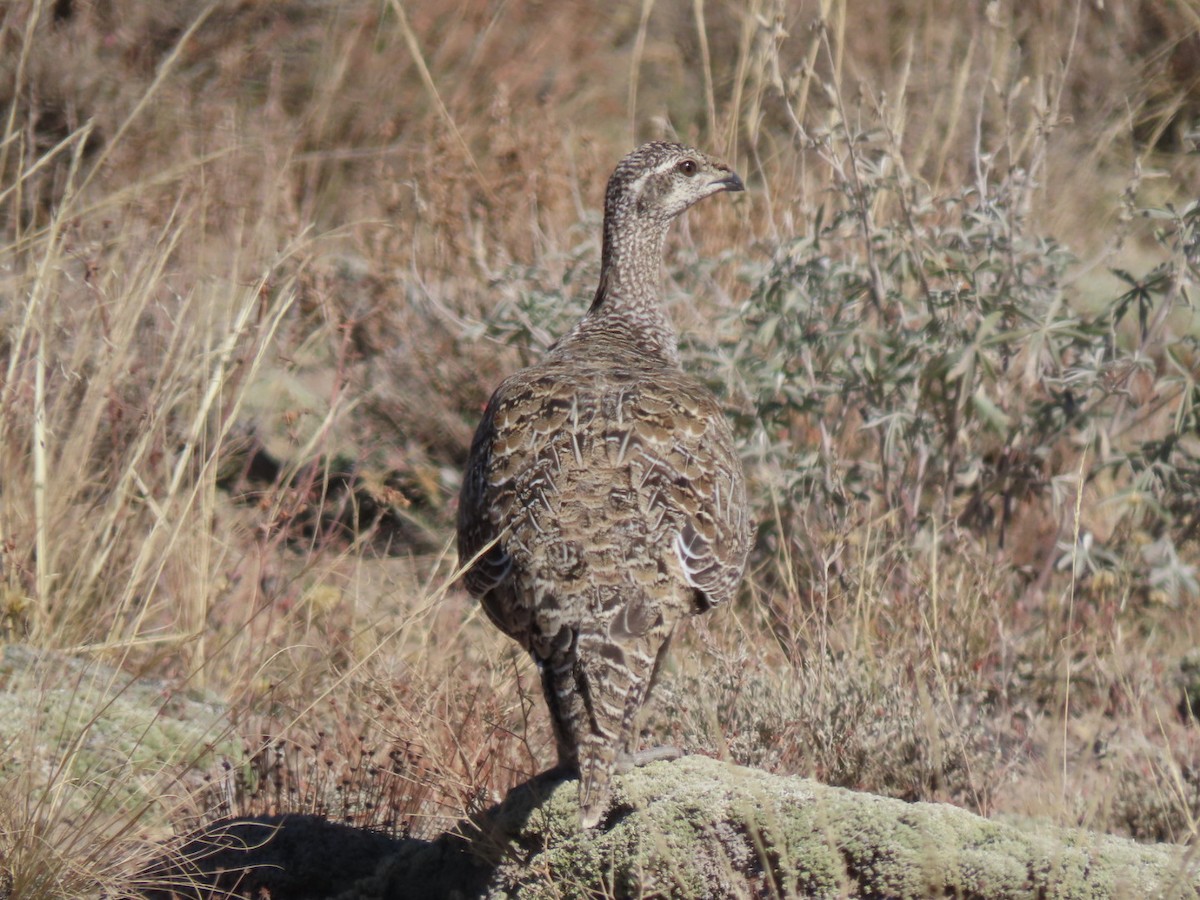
306,857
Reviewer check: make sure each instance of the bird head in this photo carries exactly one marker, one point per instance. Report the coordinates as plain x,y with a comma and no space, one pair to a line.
659,180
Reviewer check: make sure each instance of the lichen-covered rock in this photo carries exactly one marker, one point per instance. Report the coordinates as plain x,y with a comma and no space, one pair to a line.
705,829
701,828
95,737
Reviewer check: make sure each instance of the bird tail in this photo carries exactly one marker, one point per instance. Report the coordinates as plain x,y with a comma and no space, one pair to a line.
612,680
597,765
586,695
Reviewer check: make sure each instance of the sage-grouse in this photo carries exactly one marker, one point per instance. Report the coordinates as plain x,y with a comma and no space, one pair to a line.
603,496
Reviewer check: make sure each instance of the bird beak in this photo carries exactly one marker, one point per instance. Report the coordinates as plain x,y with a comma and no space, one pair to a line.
731,182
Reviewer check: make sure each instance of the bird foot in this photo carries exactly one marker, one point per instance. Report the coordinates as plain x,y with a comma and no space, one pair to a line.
627,761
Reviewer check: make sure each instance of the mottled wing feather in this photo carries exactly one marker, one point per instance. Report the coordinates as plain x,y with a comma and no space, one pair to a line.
475,527
692,478
510,487
652,479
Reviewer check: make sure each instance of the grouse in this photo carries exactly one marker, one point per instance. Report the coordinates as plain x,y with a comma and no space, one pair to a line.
603,500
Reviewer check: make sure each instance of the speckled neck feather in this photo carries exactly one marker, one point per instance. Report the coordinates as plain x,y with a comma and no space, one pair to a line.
638,210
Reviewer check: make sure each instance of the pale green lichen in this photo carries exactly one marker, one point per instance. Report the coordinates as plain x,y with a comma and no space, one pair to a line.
701,828
92,737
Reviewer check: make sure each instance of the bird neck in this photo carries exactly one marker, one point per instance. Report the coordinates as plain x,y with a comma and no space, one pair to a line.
627,304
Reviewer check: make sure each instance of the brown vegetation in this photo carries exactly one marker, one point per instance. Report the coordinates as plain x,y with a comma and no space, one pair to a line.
261,265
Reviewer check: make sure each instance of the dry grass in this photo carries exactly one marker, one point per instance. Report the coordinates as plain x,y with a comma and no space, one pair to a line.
262,265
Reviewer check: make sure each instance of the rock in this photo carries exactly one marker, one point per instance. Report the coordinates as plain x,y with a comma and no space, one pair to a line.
96,738
701,828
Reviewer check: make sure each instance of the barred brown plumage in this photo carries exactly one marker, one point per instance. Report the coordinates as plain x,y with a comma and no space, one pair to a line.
608,481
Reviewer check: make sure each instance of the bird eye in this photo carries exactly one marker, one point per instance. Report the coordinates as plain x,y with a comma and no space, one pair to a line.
688,167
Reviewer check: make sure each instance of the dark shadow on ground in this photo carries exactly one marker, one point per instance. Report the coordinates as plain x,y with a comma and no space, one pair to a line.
307,857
